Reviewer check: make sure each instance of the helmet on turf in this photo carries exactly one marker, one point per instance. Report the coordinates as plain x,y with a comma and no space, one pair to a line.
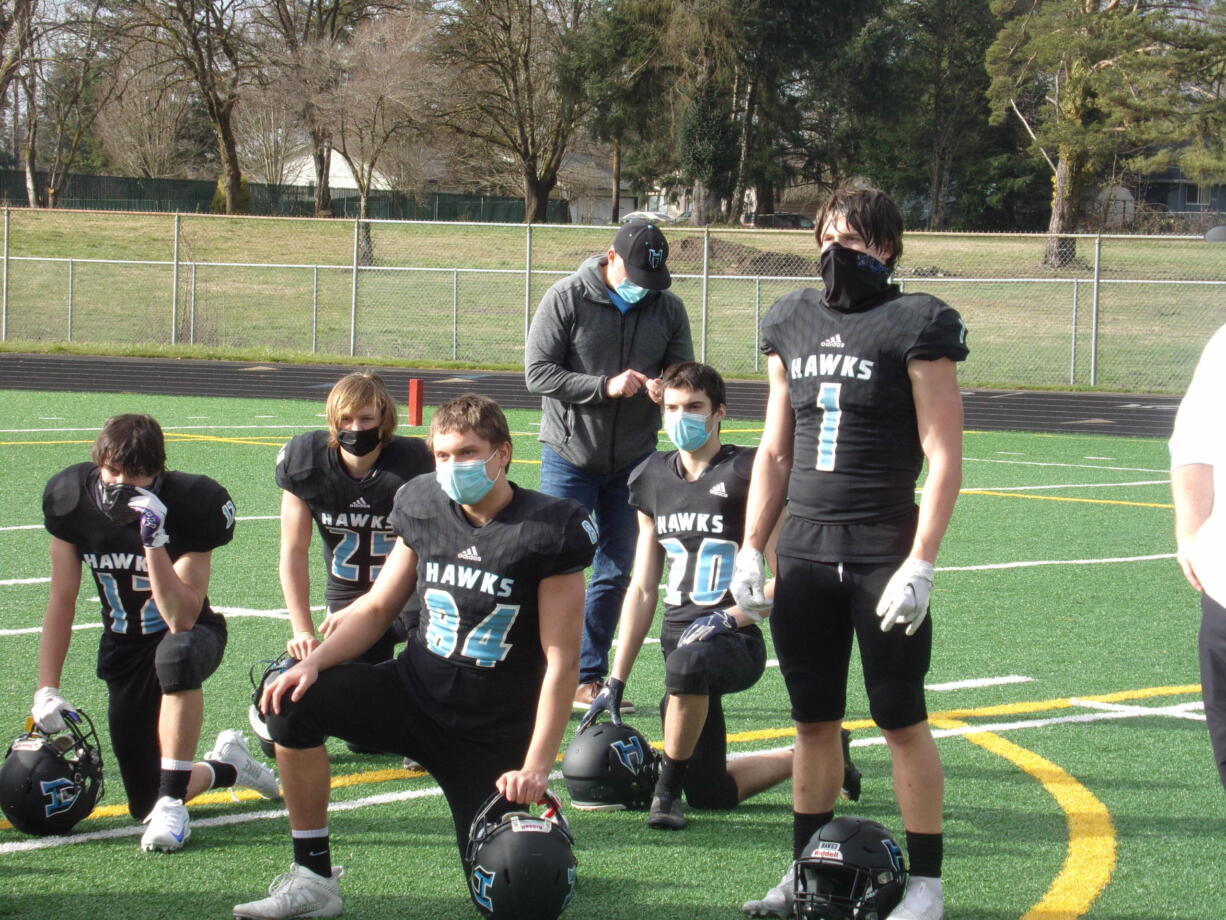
851,869
262,671
610,767
51,780
520,867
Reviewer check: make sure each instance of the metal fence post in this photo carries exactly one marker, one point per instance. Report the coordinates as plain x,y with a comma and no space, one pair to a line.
174,293
1094,316
1072,370
4,295
315,309
70,300
757,322
353,292
191,321
706,283
455,314
527,285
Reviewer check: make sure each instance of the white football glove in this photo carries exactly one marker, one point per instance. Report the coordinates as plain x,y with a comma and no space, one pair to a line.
49,708
152,518
748,585
905,598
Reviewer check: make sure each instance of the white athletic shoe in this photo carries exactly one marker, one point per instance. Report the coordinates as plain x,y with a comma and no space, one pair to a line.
780,901
411,764
169,827
297,893
231,747
924,900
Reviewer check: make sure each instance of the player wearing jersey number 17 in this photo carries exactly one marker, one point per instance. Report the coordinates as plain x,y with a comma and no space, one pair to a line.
481,695
863,390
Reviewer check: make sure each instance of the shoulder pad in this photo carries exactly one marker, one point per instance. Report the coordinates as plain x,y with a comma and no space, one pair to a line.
301,457
65,490
408,456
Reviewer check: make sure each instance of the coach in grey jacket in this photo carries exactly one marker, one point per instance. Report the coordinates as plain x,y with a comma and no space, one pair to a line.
597,346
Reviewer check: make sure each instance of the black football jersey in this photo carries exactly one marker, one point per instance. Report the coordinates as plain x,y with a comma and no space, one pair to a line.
199,518
699,524
351,515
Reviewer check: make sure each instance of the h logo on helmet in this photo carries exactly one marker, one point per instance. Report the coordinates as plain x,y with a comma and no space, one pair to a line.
630,752
480,881
61,793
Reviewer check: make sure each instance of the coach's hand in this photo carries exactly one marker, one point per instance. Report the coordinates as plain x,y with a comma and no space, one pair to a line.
609,700
721,621
748,584
905,598
49,708
152,518
625,384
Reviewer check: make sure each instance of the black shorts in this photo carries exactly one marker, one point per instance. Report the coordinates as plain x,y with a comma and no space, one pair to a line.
818,606
726,663
137,673
370,705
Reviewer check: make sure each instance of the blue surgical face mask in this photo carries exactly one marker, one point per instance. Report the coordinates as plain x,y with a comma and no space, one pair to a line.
466,481
688,430
630,292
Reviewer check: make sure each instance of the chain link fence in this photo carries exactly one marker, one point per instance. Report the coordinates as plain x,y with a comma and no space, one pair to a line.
1126,313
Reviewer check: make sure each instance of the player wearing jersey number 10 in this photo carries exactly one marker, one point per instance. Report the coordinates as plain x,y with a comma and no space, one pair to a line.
863,390
481,694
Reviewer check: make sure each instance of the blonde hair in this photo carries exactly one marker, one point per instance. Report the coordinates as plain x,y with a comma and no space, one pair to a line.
357,391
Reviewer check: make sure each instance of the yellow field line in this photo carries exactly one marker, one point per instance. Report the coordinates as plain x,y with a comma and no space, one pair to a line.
1057,498
1090,859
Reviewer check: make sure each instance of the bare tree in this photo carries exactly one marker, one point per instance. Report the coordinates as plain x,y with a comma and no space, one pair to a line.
142,124
292,34
16,34
269,136
385,82
513,88
208,40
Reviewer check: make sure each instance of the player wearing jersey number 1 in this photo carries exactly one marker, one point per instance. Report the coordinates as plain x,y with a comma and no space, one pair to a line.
481,695
863,390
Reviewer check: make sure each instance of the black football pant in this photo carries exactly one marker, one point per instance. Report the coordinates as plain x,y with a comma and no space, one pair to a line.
371,706
1213,676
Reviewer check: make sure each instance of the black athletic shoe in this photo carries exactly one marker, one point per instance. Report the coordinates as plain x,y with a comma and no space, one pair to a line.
851,776
666,814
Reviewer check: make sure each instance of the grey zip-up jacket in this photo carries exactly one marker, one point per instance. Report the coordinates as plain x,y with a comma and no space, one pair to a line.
577,341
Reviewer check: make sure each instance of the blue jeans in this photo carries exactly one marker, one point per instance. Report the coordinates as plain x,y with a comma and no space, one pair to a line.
609,497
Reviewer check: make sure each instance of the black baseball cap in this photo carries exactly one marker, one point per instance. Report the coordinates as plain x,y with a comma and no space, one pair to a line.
645,252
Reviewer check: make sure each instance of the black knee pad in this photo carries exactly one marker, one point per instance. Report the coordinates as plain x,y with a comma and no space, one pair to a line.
897,704
721,795
292,726
688,669
184,660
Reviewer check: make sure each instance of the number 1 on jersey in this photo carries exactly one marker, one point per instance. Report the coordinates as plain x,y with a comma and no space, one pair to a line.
828,432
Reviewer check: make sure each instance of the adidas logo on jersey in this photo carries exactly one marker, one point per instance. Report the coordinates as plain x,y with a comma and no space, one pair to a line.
359,502
469,555
835,341
718,490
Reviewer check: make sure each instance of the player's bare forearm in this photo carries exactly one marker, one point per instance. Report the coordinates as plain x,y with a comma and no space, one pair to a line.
561,624
638,610
772,463
938,415
61,611
294,567
179,587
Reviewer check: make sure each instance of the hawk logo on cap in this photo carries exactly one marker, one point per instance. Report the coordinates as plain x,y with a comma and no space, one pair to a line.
655,257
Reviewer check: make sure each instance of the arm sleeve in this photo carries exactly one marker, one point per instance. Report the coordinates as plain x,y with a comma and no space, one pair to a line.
549,344
1197,437
681,342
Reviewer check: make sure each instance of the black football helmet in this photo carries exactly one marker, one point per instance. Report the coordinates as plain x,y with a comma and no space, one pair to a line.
261,671
520,867
851,869
51,780
609,767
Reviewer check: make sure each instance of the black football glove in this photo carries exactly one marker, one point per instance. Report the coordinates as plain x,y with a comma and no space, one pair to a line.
609,700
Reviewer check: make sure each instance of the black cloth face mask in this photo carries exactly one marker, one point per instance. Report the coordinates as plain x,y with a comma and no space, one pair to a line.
113,498
359,443
854,280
